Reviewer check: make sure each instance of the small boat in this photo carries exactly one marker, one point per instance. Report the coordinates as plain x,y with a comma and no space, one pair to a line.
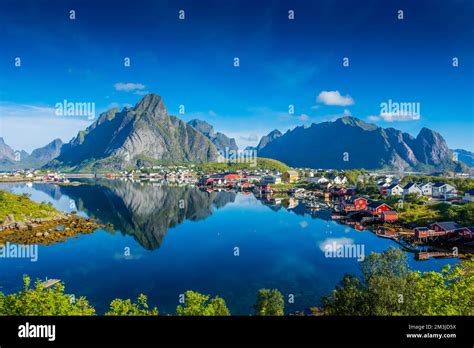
312,205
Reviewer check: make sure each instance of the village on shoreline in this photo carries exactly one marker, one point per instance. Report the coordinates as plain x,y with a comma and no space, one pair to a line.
380,202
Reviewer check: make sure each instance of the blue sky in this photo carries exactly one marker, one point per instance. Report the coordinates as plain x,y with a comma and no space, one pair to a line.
282,62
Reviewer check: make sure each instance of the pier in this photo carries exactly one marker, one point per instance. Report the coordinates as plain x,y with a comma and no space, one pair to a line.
48,283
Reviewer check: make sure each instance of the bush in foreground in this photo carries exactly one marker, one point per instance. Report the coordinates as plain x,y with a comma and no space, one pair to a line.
37,300
388,287
269,303
199,304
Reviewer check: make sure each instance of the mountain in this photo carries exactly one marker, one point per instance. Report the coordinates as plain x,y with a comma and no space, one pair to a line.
142,135
349,142
48,152
7,154
465,156
266,139
13,160
220,140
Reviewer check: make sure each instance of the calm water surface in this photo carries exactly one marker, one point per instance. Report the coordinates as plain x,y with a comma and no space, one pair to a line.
181,238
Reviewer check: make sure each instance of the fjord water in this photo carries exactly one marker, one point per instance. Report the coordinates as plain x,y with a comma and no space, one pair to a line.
181,238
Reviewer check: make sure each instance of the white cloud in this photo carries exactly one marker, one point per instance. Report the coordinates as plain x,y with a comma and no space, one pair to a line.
394,117
141,92
27,127
303,117
19,110
334,98
128,87
338,241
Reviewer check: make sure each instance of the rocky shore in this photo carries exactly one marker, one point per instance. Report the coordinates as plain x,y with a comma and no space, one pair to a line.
46,231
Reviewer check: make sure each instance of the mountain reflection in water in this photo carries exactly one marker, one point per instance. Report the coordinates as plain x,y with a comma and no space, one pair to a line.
144,211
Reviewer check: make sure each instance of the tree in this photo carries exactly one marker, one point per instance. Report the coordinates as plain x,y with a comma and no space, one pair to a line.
40,301
269,303
128,308
388,287
196,304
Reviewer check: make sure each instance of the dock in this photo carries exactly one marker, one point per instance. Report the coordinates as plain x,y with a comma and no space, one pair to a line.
49,283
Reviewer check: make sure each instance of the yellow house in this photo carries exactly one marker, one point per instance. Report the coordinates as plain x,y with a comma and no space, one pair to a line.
290,176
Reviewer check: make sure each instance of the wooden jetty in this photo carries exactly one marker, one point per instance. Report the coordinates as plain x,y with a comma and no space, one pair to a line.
50,282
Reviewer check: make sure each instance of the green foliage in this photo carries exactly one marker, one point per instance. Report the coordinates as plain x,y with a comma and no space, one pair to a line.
418,214
269,303
196,304
262,163
40,301
414,198
119,307
288,186
462,214
368,187
424,214
388,287
23,208
352,175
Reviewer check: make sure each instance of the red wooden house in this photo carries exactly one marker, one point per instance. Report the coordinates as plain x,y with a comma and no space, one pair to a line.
468,232
447,227
389,215
444,229
231,176
377,208
353,204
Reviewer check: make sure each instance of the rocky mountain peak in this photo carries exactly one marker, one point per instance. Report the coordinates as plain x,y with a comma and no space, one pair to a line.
266,139
203,127
222,142
355,122
142,135
369,146
152,104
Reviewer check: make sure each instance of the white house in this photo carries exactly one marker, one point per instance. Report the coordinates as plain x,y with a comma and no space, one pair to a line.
317,180
469,196
270,179
443,190
394,190
426,188
339,180
412,188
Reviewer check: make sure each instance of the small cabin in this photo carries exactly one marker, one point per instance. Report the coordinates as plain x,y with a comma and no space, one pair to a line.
377,208
389,215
